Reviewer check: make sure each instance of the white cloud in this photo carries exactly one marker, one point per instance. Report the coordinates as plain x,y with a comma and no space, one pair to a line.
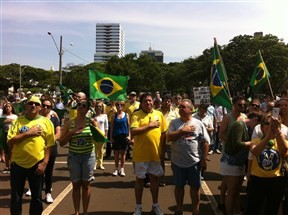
179,29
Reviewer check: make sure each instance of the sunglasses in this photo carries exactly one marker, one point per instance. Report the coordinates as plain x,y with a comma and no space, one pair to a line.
181,106
99,106
255,105
33,103
241,105
281,105
265,123
82,105
46,106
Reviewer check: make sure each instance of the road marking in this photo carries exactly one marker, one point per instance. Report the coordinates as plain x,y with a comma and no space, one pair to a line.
62,195
210,198
107,162
57,201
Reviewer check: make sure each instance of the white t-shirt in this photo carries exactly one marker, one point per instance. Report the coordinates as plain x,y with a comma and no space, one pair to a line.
102,122
8,125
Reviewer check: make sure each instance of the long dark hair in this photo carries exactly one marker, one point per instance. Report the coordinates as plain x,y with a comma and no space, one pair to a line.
4,108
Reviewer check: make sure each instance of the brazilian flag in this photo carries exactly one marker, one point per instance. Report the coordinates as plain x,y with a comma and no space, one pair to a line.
65,93
98,135
218,92
107,86
260,74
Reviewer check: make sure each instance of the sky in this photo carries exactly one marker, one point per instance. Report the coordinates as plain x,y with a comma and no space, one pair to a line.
180,29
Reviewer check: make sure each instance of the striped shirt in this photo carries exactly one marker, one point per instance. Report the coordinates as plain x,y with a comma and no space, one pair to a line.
82,143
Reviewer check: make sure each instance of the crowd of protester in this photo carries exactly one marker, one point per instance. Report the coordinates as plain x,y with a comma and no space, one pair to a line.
150,129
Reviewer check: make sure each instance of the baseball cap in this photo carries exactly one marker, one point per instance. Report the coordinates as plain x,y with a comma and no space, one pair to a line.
34,99
133,93
29,92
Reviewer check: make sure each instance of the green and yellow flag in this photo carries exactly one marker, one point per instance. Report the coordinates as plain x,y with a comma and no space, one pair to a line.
260,74
65,93
98,135
107,86
218,82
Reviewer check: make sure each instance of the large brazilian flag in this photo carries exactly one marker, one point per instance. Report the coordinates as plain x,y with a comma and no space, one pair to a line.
107,86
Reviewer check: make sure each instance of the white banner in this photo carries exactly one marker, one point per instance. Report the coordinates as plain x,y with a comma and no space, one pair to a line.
201,95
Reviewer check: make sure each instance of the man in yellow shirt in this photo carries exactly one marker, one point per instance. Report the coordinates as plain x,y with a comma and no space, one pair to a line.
148,126
31,137
132,104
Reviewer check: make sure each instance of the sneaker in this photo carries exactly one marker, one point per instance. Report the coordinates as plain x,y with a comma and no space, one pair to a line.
115,173
49,198
210,152
28,193
137,211
6,171
101,167
218,151
95,167
147,185
121,172
157,210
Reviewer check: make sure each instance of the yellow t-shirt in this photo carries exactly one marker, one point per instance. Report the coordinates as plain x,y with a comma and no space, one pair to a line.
130,108
169,116
72,110
147,144
31,150
268,163
110,112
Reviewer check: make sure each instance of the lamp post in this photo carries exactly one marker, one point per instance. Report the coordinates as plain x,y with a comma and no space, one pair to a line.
60,52
20,74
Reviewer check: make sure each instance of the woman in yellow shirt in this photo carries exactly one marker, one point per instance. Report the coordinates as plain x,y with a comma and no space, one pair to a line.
267,184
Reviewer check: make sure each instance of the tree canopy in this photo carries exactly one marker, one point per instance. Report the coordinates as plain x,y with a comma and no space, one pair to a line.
239,57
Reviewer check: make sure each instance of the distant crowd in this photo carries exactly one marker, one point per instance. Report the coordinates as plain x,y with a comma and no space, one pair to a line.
150,129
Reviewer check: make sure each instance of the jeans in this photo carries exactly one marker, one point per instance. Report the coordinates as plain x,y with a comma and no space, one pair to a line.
48,175
217,141
18,177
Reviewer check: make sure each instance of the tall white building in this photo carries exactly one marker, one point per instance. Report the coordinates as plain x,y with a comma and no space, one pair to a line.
110,40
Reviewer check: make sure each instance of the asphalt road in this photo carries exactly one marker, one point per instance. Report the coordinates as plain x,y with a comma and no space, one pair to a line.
115,195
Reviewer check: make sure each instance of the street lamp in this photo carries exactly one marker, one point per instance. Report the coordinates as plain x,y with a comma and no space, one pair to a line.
20,73
60,52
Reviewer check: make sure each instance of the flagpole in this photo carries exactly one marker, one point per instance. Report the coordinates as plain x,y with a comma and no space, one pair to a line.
271,91
223,67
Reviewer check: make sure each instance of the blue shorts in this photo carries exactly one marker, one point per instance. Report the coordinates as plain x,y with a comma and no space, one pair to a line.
190,175
81,166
